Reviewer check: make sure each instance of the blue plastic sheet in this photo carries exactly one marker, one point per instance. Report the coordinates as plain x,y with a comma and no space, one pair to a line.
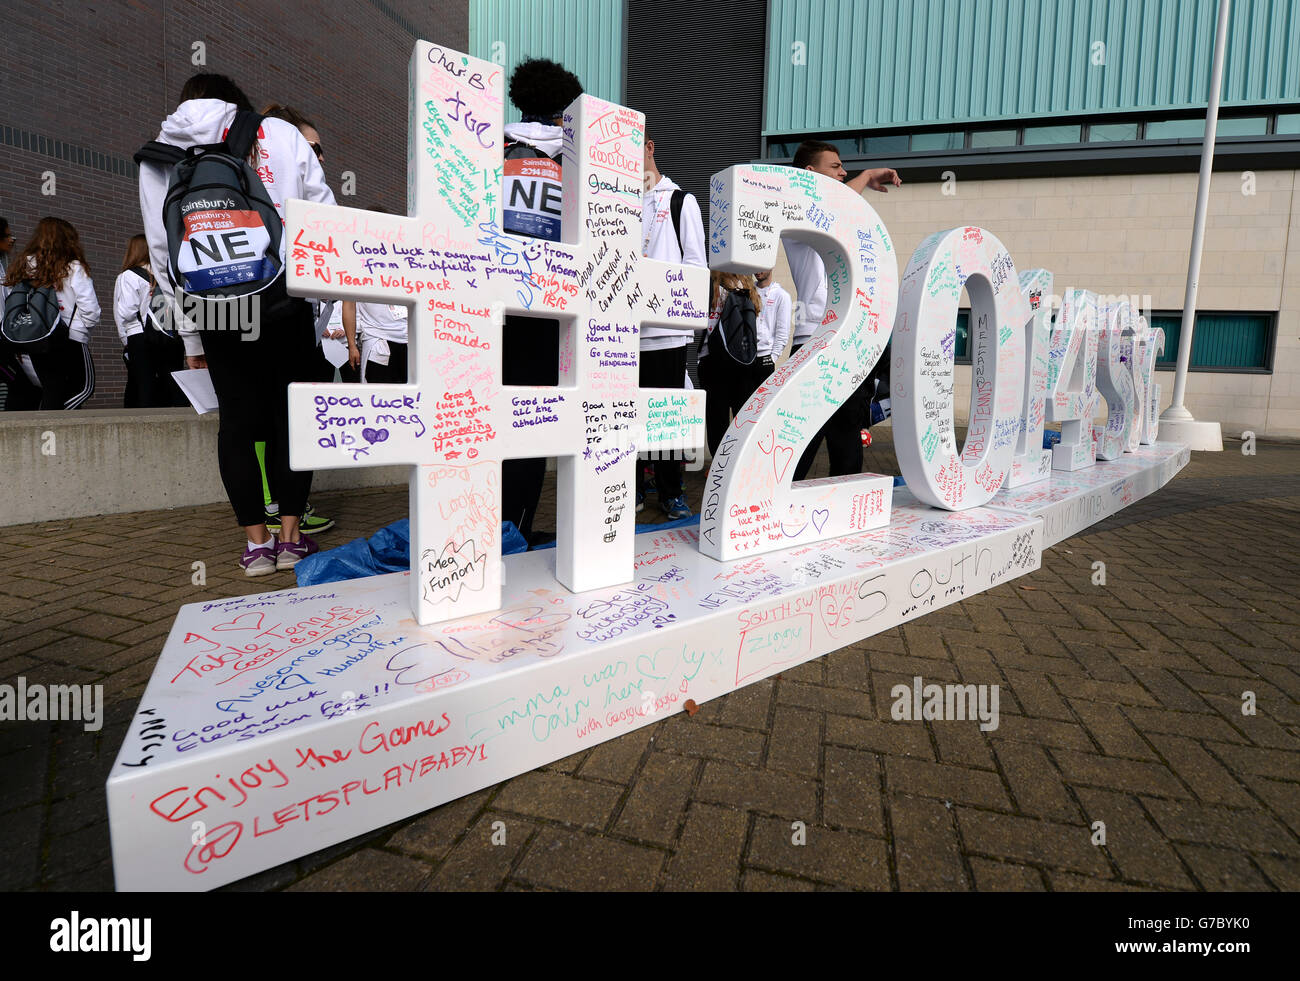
387,550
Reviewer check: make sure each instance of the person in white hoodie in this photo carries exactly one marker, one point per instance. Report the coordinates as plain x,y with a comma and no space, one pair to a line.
672,230
531,190
843,432
377,336
54,259
151,356
251,364
21,389
773,327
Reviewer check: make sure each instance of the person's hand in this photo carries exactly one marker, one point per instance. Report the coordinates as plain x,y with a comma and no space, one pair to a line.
880,178
195,362
336,335
354,356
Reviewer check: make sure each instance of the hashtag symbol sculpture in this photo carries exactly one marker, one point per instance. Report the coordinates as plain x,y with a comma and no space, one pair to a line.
459,273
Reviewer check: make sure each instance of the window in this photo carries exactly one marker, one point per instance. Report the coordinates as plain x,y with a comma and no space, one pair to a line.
1222,342
1194,129
948,140
1112,132
961,350
1051,134
896,143
1242,126
1060,139
1176,129
993,137
1288,122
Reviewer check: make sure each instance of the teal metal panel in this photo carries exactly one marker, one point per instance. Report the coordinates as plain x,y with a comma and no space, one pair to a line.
854,64
586,36
1230,340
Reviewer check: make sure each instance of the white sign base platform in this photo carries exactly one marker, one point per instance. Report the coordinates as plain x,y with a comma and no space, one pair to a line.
1071,501
281,723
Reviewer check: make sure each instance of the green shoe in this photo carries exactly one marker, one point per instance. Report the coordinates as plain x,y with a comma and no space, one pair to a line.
311,522
314,524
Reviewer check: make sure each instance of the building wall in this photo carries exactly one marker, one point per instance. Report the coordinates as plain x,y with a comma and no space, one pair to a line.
845,64
1131,235
585,36
85,85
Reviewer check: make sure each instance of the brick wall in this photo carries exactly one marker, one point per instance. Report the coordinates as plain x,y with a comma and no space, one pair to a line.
84,86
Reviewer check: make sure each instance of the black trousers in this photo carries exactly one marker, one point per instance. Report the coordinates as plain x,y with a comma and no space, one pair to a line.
729,386
530,356
843,436
392,373
251,379
20,394
66,371
760,371
150,361
663,369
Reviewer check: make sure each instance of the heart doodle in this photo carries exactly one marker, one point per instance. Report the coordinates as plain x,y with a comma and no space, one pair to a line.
374,435
645,665
819,518
781,457
234,624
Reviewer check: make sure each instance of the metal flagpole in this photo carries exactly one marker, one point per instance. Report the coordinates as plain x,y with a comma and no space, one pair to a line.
1177,411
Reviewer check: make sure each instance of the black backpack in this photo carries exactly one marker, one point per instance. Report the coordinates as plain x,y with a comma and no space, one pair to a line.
153,323
737,327
223,232
31,318
675,209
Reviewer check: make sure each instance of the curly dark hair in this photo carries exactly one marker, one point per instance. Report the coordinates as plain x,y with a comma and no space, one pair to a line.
541,90
54,247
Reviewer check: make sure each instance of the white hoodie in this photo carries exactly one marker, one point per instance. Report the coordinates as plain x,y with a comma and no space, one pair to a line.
659,241
285,162
773,320
78,304
547,138
130,300
809,275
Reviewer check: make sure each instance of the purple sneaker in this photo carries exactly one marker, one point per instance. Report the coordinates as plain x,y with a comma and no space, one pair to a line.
288,554
259,561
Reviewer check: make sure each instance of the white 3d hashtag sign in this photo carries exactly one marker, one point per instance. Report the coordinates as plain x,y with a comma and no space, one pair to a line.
459,273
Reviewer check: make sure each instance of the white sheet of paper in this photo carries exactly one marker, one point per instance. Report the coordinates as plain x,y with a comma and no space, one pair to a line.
336,352
196,383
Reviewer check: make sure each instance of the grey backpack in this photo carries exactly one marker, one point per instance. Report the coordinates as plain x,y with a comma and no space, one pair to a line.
223,232
31,318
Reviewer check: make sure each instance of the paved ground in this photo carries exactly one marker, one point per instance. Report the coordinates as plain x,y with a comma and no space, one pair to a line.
1119,703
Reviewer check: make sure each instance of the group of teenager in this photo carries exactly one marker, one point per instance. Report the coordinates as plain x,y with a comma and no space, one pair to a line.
252,364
